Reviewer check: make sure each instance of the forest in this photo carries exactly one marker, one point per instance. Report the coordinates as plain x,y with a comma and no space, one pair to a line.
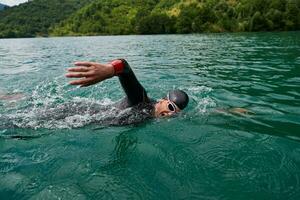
122,17
35,17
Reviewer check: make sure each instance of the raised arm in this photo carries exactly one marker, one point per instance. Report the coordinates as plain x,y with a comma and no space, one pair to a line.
92,73
135,92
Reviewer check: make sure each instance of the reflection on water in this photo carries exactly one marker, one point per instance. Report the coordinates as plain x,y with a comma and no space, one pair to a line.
238,138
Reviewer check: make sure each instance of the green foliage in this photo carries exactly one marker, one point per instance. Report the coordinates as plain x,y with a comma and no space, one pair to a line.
112,17
156,23
35,17
118,17
186,19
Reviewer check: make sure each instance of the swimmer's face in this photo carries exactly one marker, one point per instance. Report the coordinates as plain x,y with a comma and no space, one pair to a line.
166,108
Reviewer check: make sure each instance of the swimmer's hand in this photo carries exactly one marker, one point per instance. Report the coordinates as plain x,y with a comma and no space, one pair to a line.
89,73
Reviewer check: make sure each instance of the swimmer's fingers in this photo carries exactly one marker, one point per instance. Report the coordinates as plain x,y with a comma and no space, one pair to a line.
87,64
78,69
90,72
79,74
84,81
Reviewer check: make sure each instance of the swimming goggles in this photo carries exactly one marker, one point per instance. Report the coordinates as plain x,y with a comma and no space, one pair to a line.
171,106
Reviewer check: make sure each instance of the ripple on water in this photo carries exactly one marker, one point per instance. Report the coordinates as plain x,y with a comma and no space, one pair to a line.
257,168
106,186
11,181
9,161
60,191
19,67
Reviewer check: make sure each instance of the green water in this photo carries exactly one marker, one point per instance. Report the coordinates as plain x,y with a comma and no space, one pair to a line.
201,154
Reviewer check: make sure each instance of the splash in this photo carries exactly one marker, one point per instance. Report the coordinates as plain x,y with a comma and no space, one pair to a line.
202,101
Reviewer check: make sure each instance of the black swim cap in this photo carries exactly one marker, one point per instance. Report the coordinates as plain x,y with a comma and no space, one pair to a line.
179,97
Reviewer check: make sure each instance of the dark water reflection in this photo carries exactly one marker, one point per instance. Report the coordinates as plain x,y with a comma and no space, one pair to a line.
206,152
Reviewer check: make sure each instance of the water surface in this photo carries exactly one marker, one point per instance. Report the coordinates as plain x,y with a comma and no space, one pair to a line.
204,153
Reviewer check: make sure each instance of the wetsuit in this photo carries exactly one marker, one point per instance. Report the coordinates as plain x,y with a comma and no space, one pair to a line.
135,93
136,96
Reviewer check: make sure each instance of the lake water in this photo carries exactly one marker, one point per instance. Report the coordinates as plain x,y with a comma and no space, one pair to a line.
207,152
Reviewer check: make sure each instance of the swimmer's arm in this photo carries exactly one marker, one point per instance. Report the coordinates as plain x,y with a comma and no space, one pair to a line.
91,73
135,92
235,111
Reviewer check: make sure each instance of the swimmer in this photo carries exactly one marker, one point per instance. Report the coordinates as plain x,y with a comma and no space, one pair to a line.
90,73
135,108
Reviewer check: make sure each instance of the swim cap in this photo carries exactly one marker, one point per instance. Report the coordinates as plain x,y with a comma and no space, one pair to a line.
179,97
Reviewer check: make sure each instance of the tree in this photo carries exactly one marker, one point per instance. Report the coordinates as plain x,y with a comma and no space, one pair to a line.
156,24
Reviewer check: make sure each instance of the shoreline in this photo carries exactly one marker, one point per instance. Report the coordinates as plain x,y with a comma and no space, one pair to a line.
106,35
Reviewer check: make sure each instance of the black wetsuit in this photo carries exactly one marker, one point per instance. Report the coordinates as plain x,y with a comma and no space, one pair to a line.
135,108
135,93
136,97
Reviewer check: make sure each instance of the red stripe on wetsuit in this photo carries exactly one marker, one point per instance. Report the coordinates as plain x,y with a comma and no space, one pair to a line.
118,66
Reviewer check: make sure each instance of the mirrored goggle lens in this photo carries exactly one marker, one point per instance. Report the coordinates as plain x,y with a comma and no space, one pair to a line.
171,107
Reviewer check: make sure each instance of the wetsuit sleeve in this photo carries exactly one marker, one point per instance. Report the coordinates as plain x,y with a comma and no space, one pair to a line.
133,89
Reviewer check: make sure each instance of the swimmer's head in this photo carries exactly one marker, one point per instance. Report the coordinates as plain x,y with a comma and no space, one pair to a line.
173,103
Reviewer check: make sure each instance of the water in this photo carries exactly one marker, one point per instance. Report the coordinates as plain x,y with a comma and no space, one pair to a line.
207,152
